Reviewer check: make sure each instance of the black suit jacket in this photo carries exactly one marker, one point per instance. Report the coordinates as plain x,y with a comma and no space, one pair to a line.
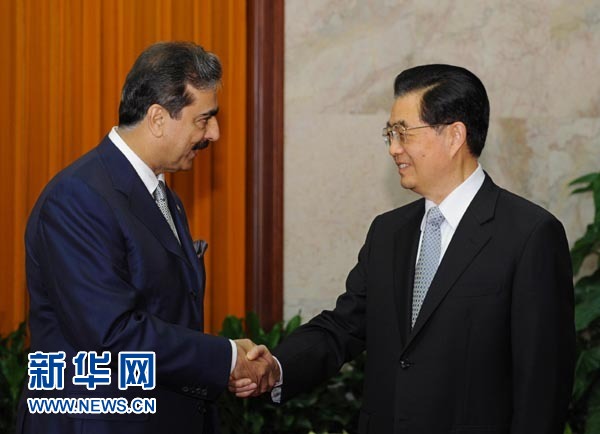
105,273
492,350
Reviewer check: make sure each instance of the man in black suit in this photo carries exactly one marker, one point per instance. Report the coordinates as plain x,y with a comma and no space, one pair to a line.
463,299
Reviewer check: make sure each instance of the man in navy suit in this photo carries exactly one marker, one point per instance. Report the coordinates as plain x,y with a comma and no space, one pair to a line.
462,299
111,265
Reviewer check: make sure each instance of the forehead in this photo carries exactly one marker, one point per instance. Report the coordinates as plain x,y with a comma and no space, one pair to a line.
203,99
406,109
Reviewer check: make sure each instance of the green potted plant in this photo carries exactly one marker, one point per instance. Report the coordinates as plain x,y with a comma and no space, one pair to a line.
584,417
13,370
332,407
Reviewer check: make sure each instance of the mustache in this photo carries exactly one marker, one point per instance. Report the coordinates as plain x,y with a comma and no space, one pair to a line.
203,144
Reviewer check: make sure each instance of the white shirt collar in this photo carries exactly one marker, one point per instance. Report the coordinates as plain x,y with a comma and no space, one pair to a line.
454,206
146,174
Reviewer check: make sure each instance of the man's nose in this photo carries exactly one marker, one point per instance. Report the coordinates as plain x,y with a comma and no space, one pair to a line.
395,147
212,130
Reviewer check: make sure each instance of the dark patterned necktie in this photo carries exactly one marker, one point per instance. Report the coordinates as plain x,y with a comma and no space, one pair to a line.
160,197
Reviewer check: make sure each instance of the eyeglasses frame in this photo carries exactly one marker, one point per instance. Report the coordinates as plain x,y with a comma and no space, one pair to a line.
401,136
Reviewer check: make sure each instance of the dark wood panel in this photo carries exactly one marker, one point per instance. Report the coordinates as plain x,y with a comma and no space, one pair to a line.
264,289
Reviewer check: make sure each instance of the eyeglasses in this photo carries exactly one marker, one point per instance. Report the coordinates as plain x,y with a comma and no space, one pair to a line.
399,132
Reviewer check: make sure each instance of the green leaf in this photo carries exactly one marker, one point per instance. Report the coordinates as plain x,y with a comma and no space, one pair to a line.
13,370
593,185
596,188
585,245
592,425
232,328
253,329
582,190
304,422
293,324
589,178
14,373
255,422
588,364
588,310
587,285
274,336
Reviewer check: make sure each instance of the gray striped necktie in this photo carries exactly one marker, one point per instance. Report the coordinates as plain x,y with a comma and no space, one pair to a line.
429,259
160,197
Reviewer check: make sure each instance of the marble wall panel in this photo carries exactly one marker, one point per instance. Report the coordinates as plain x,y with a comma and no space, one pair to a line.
540,63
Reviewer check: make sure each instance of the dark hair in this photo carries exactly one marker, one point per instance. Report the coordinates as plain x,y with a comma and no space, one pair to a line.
160,76
451,94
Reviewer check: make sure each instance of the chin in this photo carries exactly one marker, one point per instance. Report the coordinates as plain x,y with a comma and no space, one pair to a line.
184,167
405,183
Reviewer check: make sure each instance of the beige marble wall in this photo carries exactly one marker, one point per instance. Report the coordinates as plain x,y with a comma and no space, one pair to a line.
540,62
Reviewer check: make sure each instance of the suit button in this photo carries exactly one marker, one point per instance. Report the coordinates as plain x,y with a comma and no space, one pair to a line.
405,364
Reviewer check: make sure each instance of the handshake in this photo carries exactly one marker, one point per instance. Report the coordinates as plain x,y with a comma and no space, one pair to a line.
256,370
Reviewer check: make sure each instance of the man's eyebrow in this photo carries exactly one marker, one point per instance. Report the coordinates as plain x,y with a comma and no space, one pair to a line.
209,114
401,122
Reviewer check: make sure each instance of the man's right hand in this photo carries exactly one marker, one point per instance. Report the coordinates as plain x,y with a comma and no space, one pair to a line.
256,371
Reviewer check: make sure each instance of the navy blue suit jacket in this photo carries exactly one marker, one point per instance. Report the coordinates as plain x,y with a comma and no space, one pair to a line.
105,273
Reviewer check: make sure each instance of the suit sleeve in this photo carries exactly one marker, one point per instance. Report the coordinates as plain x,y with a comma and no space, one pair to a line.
543,333
317,350
82,255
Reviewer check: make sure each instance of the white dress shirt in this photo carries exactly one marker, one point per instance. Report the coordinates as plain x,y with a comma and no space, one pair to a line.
453,208
146,174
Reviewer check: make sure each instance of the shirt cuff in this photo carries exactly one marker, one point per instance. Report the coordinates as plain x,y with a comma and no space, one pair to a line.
276,392
233,356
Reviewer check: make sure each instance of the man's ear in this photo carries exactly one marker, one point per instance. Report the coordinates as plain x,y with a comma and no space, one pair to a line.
155,119
458,137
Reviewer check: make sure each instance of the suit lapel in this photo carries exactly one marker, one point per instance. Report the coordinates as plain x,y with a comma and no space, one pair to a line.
470,237
406,241
141,203
186,240
145,209
182,230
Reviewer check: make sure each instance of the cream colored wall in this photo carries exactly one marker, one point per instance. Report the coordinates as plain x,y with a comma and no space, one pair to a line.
539,60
